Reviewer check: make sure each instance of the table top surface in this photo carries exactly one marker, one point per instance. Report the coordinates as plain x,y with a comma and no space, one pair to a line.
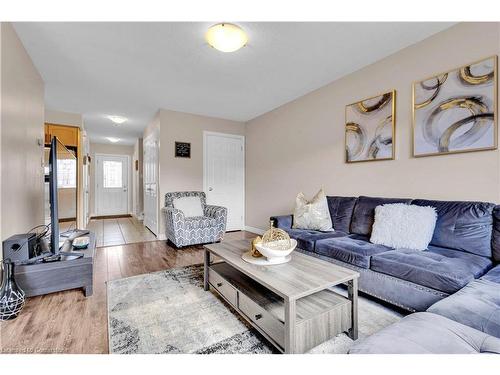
302,276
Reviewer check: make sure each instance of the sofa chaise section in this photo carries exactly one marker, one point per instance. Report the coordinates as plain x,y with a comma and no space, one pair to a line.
465,322
477,305
427,333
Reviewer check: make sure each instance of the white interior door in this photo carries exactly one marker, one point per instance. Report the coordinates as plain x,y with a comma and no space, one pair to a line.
112,184
224,175
150,181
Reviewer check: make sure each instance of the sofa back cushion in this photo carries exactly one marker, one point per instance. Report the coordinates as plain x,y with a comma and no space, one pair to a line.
495,235
364,212
463,226
341,211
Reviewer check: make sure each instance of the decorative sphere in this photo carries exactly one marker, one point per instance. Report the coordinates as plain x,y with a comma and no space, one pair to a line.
276,239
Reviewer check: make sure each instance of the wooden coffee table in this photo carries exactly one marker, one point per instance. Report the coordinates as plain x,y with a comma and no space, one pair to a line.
290,304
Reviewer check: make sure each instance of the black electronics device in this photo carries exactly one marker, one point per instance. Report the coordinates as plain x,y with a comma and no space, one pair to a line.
58,153
21,247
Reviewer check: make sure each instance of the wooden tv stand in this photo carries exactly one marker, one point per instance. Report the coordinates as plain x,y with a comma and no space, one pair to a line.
43,278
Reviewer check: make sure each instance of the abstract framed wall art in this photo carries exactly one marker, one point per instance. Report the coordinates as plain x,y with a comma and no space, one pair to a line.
369,128
456,111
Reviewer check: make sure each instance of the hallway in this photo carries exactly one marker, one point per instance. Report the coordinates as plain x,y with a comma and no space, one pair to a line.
119,231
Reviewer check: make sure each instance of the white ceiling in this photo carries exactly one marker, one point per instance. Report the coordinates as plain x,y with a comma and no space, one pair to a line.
133,69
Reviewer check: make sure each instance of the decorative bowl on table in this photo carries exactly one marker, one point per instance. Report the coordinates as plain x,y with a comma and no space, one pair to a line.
274,248
275,253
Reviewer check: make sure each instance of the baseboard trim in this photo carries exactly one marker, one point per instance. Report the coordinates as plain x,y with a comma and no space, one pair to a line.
254,230
111,216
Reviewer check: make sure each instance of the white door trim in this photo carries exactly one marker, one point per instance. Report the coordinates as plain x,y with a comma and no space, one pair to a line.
147,140
207,133
96,200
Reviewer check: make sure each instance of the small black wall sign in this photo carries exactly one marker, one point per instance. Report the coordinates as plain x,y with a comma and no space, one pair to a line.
182,150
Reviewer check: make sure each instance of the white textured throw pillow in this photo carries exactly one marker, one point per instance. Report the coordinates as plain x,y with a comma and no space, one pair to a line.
312,214
190,206
404,226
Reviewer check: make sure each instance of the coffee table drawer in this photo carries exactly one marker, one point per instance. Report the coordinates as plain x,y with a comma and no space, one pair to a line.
267,322
223,287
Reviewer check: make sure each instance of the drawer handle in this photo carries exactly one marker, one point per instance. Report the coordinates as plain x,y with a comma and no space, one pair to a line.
219,285
258,316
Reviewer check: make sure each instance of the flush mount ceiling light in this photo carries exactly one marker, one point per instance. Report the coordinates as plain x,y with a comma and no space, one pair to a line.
117,119
112,139
226,37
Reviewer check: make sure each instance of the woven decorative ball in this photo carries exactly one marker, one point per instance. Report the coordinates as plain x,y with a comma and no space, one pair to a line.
276,239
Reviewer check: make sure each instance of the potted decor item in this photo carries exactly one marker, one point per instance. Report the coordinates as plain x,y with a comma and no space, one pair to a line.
275,246
12,297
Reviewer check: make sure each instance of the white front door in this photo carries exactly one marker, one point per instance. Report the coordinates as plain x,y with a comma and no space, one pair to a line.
150,181
224,175
112,184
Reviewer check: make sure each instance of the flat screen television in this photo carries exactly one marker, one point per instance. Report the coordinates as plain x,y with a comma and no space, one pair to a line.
61,181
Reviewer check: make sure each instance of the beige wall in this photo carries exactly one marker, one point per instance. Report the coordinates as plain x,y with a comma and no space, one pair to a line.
98,148
300,146
179,174
63,118
22,118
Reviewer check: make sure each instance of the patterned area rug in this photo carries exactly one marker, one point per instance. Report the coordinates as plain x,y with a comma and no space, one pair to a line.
169,312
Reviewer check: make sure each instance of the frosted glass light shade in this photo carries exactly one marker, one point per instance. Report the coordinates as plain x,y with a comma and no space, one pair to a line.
226,37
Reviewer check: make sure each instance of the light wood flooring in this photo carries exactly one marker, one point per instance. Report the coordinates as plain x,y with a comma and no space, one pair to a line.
67,322
126,230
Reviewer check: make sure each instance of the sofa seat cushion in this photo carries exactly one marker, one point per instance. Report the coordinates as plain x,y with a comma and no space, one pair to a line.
364,213
354,250
306,239
426,333
477,305
493,275
197,222
438,268
465,226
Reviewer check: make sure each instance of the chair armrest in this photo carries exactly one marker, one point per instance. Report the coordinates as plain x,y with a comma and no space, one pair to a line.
216,212
282,222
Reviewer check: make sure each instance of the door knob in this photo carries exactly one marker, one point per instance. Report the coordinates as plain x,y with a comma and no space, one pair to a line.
210,189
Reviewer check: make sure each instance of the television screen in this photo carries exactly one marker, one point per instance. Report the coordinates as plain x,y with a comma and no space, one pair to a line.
66,187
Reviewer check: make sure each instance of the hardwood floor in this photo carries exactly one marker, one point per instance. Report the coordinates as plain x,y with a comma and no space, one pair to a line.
67,322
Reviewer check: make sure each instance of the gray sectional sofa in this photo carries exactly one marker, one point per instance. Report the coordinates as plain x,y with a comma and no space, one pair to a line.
465,322
454,285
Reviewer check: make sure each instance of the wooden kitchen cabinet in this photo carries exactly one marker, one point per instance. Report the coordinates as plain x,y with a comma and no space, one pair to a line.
67,135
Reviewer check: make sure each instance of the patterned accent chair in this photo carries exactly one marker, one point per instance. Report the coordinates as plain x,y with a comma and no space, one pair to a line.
184,231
